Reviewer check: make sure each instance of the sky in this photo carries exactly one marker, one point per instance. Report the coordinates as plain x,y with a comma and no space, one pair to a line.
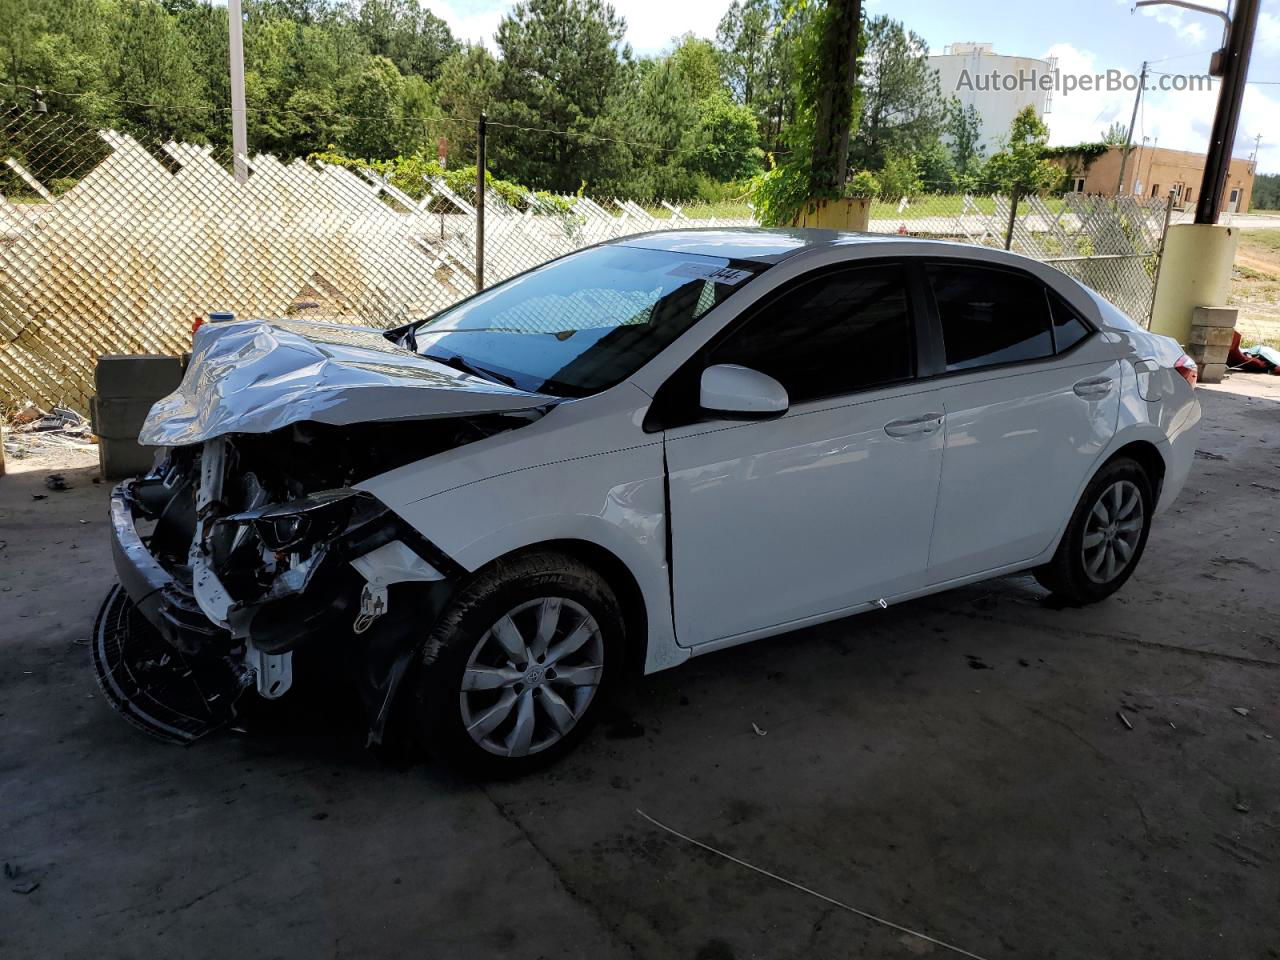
1086,36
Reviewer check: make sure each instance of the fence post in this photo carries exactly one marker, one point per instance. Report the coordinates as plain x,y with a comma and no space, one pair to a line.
1013,217
1155,281
480,149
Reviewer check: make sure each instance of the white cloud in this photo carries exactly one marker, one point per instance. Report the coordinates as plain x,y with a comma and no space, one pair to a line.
1179,120
1268,36
1188,27
1082,116
473,26
652,24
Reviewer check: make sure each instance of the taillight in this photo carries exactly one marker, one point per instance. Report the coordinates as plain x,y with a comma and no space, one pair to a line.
1187,367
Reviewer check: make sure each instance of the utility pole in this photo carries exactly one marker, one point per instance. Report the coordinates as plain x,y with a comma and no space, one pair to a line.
239,131
480,151
1235,69
1133,119
1257,142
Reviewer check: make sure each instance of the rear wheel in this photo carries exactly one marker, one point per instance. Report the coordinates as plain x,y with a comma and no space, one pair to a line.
515,671
1105,537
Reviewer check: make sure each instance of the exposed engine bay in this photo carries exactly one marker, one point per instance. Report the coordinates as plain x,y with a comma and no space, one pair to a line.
238,553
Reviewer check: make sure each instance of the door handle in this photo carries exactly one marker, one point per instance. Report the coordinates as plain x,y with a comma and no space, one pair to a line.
1093,388
912,427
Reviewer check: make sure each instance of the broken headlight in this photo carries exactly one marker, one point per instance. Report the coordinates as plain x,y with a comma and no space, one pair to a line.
315,518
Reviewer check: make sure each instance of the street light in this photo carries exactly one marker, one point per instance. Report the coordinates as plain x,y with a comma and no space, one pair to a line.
1231,63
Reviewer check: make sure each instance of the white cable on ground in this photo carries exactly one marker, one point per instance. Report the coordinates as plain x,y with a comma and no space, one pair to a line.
813,893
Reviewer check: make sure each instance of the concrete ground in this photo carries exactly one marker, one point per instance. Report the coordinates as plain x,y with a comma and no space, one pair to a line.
957,765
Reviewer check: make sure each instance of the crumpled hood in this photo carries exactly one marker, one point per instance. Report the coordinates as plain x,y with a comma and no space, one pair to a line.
254,376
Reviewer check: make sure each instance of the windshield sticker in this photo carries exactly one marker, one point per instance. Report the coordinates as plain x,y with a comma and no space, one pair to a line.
708,271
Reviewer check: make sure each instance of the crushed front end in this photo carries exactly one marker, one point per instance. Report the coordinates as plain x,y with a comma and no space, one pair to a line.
238,554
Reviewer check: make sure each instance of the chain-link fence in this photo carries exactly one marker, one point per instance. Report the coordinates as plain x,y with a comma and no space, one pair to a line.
1111,244
111,243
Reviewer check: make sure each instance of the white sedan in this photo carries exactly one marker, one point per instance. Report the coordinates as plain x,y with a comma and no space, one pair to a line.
635,454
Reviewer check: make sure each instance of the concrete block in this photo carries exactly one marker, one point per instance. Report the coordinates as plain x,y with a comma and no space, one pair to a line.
120,417
137,375
124,458
1214,317
1212,372
1202,354
1211,336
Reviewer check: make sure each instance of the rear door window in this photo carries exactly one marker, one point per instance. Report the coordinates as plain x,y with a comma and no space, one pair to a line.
990,317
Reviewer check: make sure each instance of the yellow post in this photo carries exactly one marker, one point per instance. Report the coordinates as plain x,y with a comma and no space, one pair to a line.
1195,272
842,213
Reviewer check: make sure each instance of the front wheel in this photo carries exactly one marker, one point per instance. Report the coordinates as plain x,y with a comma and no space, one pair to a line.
1105,537
516,669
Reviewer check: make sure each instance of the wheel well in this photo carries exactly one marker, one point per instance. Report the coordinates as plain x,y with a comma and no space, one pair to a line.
619,577
1147,455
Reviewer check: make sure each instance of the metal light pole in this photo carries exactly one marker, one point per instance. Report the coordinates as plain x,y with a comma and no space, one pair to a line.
1231,63
1235,68
239,130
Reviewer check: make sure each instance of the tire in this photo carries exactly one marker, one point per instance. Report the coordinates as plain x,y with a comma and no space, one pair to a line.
466,679
1103,542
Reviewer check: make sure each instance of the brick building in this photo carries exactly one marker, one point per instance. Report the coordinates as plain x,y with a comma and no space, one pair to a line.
1153,172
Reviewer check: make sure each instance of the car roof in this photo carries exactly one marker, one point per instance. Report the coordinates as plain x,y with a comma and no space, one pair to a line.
762,244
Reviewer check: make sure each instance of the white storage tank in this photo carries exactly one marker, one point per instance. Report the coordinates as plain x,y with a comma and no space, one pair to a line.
995,85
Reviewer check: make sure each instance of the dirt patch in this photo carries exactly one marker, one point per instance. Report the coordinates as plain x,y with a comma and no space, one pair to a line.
1255,287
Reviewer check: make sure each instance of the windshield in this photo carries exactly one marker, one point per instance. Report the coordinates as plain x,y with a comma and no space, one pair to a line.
581,323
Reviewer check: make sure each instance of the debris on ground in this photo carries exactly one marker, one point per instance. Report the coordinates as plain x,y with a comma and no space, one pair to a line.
758,730
28,413
12,872
56,481
1243,711
35,429
1124,719
1256,359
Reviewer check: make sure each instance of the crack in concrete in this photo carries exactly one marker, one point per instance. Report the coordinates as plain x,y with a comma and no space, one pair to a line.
1075,632
588,904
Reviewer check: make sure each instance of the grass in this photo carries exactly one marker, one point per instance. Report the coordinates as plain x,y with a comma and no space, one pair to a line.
1268,240
720,210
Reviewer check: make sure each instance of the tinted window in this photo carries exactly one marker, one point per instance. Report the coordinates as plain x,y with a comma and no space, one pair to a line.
1068,328
581,323
990,316
830,336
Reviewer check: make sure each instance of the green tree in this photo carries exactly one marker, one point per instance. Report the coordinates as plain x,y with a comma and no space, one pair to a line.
727,140
1021,167
899,177
466,88
902,106
149,73
1266,192
662,128
406,33
698,65
757,41
1116,135
832,79
374,107
963,131
562,67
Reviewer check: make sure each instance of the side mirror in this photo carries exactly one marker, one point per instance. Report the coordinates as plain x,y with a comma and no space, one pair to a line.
729,388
